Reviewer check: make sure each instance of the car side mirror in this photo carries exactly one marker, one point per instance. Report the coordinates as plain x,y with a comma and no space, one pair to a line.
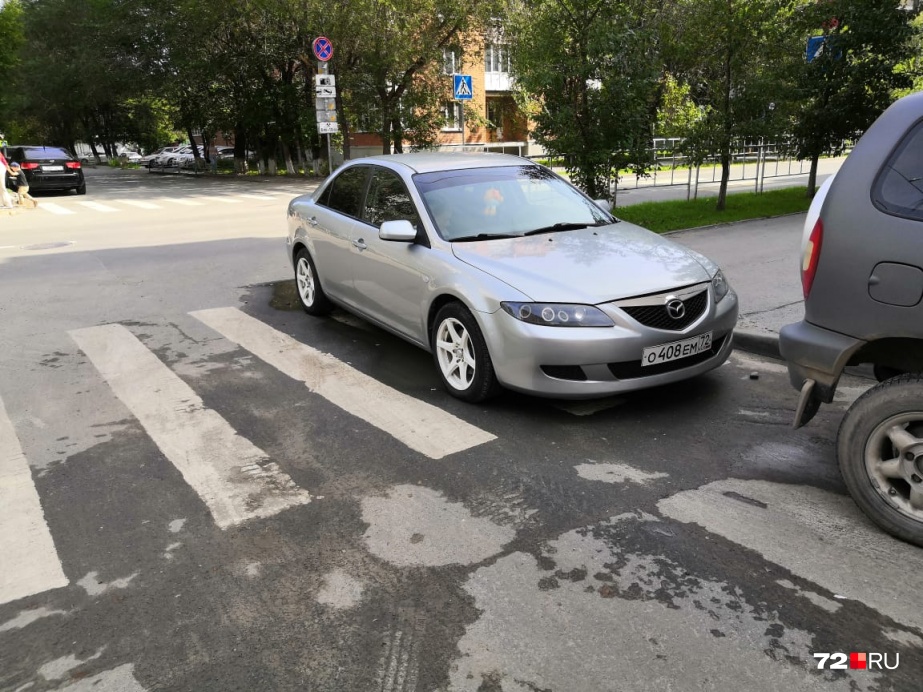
402,231
603,204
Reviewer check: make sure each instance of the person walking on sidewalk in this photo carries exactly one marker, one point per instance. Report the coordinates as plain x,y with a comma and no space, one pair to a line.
5,201
19,183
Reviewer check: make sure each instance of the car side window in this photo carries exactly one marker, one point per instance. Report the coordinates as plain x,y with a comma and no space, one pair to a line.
346,191
388,200
899,187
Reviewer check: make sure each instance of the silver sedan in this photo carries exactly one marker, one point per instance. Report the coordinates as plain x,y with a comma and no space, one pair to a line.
509,276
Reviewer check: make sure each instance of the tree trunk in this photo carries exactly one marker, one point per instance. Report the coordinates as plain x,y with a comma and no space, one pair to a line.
812,177
397,134
287,157
240,149
344,126
385,128
196,156
725,174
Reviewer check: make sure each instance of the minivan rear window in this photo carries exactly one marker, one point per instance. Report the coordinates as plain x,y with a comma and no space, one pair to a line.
899,187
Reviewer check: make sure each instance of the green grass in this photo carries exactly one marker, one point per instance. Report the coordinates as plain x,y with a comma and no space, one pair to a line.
676,215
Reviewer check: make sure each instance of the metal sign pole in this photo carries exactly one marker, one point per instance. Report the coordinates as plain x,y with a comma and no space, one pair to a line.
463,125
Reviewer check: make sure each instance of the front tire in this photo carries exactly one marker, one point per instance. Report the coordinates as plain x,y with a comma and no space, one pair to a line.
880,452
307,285
461,355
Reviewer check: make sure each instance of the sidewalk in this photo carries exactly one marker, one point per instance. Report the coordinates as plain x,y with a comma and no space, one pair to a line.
760,260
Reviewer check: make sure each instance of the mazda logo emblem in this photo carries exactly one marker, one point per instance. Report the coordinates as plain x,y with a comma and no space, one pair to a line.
676,309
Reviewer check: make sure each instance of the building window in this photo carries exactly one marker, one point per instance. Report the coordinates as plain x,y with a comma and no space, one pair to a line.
452,112
496,58
449,61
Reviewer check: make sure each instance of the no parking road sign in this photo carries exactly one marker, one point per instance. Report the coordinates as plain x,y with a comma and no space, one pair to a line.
463,90
323,48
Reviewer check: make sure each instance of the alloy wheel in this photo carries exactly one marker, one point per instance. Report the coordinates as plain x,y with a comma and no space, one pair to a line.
305,280
894,462
455,353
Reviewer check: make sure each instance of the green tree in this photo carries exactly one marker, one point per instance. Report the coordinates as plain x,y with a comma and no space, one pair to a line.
845,87
592,67
732,54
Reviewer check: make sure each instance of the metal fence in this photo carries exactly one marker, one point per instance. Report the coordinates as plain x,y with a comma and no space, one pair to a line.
668,165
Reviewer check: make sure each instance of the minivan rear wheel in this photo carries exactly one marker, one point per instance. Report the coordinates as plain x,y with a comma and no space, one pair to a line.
880,453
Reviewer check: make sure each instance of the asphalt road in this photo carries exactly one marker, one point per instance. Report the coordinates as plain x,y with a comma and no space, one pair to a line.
209,490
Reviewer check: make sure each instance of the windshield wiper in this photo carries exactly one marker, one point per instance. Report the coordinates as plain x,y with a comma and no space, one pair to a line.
484,236
562,226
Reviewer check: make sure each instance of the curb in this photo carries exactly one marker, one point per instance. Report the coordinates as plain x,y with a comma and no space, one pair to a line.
759,343
730,223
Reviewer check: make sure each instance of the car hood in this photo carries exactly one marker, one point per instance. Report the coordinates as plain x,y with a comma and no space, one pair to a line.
592,265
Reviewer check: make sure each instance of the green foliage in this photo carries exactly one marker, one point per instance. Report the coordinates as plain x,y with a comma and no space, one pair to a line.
677,215
841,92
590,66
678,114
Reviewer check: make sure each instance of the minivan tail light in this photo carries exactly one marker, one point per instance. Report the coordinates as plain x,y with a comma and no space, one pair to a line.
28,166
72,164
811,257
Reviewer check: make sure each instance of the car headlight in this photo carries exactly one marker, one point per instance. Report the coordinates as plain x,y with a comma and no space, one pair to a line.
720,284
558,314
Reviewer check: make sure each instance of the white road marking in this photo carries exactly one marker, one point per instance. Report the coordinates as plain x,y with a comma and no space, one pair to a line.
814,534
197,440
53,208
220,198
29,562
340,590
181,200
141,205
94,587
616,473
266,196
121,679
27,617
421,426
98,207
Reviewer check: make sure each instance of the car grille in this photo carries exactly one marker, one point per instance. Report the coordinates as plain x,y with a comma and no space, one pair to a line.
631,369
656,316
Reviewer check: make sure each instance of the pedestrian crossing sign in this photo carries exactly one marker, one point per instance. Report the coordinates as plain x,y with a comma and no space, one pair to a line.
463,90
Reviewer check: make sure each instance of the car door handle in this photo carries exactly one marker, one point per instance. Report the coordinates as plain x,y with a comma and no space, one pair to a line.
360,244
313,221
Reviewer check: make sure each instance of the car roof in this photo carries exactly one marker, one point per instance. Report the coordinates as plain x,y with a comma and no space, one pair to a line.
429,161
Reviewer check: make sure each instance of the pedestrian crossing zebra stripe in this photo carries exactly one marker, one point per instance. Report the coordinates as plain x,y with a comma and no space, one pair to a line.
421,426
29,562
96,206
234,478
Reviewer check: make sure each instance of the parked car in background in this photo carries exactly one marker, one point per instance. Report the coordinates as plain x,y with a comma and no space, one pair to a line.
49,168
862,276
509,276
165,158
131,156
148,159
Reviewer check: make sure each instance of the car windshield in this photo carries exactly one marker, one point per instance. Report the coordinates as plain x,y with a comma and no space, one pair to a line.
503,202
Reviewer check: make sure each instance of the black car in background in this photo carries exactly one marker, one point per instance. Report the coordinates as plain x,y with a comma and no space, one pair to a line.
48,168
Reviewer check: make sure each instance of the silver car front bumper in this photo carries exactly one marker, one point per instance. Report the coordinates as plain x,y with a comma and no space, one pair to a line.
608,359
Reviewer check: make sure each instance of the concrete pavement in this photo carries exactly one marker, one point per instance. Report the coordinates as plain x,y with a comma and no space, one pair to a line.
760,260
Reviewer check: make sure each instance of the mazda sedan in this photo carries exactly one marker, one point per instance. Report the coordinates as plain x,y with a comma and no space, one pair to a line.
509,275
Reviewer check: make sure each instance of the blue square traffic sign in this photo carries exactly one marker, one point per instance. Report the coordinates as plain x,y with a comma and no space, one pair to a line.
463,90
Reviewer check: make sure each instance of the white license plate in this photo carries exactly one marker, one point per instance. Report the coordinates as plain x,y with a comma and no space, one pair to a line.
675,350
52,168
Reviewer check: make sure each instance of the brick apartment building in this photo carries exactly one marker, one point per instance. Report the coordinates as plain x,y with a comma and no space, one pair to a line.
487,61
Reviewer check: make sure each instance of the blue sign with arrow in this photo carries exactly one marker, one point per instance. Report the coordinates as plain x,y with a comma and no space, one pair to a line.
463,90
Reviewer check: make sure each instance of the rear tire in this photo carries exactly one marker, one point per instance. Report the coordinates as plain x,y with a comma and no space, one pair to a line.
307,286
82,189
880,452
461,355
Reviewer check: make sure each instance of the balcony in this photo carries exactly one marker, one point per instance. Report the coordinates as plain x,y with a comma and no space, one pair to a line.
497,81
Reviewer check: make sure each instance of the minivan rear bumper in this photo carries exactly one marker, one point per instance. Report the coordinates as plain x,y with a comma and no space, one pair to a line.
817,354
